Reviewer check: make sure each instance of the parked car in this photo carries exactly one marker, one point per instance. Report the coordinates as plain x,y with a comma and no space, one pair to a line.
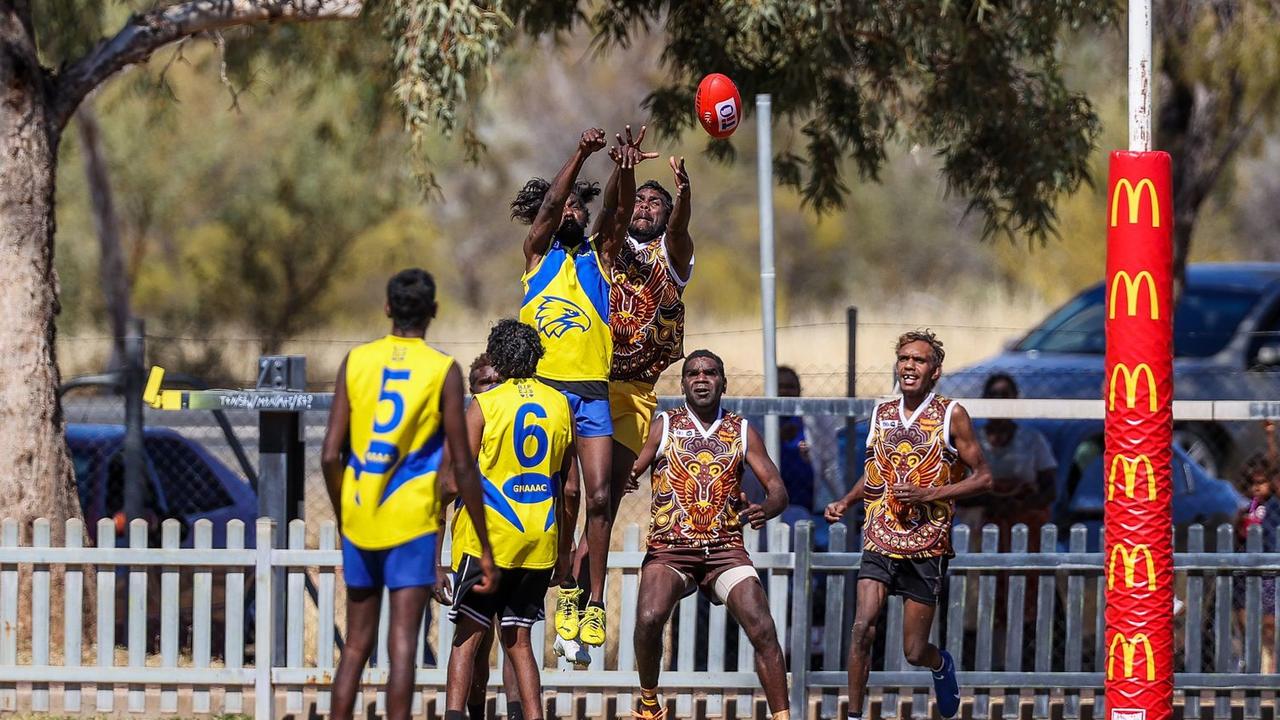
1198,497
184,480
1226,337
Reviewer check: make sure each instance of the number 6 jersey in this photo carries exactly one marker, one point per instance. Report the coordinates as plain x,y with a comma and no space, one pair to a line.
395,441
527,430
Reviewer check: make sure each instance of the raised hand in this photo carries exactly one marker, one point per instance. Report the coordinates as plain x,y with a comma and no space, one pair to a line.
682,177
592,140
627,153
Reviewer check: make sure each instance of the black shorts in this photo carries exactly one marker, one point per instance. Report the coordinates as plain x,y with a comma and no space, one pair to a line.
517,602
920,579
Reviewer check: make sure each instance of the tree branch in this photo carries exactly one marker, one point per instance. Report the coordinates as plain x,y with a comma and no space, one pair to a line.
145,33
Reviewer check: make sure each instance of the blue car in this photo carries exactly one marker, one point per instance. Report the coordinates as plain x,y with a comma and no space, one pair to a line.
184,480
1226,337
1198,497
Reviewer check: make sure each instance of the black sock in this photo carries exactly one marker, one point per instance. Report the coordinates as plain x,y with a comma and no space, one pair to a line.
514,711
593,603
453,715
475,711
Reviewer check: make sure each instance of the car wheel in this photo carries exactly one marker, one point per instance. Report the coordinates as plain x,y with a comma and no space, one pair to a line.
1202,444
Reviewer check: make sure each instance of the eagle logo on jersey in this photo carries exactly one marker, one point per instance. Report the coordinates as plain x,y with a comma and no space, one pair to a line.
557,316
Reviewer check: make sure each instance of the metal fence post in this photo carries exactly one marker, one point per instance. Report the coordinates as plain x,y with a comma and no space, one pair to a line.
851,390
135,463
801,608
281,471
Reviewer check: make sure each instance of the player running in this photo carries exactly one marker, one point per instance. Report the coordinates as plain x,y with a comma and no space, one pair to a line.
695,531
566,284
397,404
521,434
918,448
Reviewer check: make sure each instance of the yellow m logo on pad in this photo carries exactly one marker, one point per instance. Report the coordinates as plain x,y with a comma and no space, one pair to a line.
1131,286
1130,466
1131,385
1134,196
1130,650
1130,560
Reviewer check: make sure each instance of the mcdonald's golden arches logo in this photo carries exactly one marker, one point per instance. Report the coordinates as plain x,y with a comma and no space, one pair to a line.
1130,653
1129,466
1131,285
1134,196
1130,561
1131,378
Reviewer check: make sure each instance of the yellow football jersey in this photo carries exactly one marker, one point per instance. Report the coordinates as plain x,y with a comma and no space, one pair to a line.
396,441
566,298
527,430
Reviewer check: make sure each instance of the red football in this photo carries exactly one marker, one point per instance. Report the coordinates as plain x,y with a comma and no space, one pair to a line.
718,105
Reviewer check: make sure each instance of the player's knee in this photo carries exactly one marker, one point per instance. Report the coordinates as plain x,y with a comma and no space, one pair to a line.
864,635
916,652
649,620
598,500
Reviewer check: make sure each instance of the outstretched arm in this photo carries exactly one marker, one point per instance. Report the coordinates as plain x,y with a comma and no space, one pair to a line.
775,493
679,244
625,155
551,211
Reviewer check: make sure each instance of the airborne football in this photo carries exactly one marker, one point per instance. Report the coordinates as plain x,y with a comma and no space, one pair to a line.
718,105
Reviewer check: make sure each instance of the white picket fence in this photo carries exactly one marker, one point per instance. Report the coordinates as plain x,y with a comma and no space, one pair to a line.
236,680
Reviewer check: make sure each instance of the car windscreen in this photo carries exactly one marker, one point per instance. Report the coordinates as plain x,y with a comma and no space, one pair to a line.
1205,322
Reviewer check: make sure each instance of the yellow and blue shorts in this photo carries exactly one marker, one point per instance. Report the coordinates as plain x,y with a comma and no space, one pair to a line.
632,404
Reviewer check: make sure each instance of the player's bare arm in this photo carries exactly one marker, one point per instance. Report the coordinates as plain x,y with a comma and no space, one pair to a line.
552,208
335,441
447,491
835,511
775,492
647,454
462,437
966,443
679,243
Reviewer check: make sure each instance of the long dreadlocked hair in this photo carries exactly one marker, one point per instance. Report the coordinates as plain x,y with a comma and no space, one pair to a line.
525,207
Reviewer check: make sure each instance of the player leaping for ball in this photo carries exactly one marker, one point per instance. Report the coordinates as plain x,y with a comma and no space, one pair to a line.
566,298
695,529
918,448
646,318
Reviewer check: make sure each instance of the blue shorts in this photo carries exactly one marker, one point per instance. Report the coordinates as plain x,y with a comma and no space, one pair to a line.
591,418
412,564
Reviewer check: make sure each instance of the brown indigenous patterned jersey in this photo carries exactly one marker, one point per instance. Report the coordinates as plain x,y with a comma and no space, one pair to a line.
697,480
646,313
916,450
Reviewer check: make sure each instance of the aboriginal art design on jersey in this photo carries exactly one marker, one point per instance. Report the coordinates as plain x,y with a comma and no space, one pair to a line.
646,313
913,449
696,482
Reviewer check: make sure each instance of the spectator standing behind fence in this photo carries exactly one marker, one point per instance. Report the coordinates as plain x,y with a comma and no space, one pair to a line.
397,403
1023,471
1260,477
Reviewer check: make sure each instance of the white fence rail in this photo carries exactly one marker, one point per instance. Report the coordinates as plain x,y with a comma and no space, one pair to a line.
180,627
168,607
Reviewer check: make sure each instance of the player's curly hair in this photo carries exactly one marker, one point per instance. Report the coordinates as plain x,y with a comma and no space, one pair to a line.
411,299
514,349
924,335
525,207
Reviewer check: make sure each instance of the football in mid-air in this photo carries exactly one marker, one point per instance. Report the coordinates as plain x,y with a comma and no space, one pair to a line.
718,105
